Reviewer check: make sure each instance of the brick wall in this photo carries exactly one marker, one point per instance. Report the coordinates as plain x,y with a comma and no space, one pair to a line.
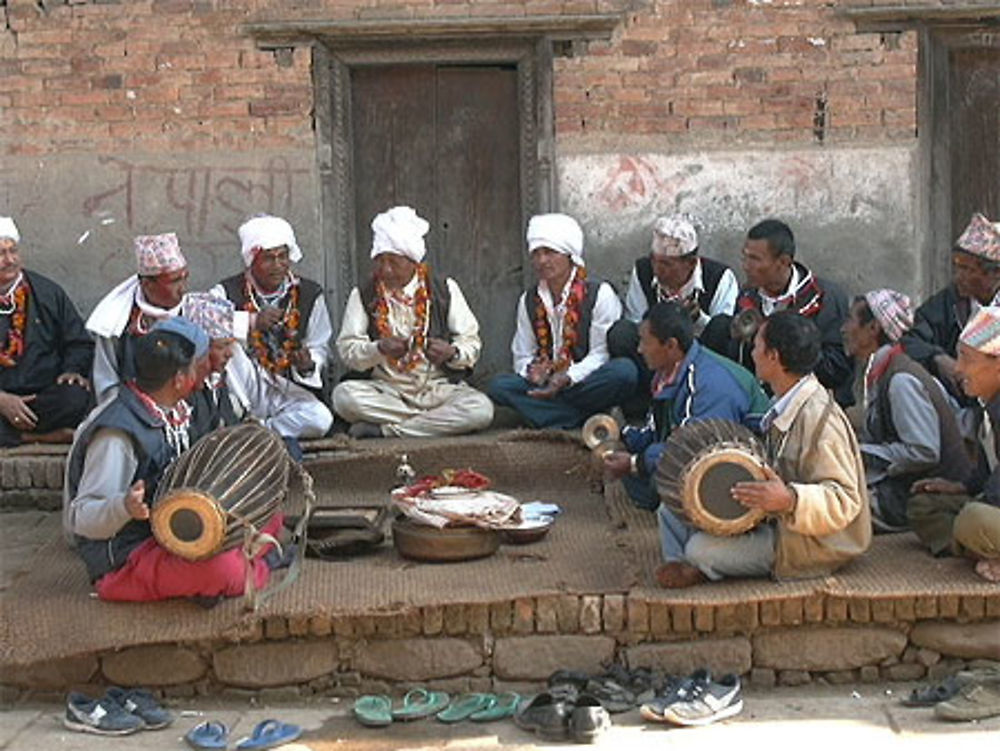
168,75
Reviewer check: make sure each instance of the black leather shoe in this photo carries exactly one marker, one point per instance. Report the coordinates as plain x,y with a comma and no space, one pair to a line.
588,720
546,715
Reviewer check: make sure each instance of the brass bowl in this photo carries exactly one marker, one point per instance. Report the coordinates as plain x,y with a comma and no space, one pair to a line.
420,542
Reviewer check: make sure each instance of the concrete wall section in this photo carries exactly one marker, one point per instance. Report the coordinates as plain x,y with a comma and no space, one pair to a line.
851,209
79,213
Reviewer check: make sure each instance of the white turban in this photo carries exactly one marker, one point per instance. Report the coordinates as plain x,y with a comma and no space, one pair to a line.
9,229
400,230
558,232
266,232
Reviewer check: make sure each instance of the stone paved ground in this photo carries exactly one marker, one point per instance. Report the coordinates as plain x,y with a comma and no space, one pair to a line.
813,718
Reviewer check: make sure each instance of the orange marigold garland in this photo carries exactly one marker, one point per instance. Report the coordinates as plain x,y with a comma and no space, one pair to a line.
281,361
571,324
421,305
15,335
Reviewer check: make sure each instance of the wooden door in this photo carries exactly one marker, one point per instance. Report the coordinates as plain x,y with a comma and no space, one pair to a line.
974,111
445,139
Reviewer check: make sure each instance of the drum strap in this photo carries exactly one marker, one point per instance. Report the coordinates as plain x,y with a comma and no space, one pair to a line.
774,452
252,599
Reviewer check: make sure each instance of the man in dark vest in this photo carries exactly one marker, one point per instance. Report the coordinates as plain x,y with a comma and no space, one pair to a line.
45,353
562,370
416,337
673,271
975,271
909,430
118,458
288,337
776,281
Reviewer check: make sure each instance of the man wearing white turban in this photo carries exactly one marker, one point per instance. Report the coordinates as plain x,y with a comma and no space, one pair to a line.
289,339
415,336
562,371
45,353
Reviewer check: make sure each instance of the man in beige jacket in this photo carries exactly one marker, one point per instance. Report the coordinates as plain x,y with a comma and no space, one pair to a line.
818,517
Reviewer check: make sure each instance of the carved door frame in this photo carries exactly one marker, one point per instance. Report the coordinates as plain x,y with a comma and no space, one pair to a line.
937,41
332,64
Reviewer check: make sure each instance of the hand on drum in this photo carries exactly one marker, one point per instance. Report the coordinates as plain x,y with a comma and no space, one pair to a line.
770,495
617,463
135,502
938,485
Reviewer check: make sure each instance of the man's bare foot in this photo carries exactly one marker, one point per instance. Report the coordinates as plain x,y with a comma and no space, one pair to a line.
677,575
362,430
989,569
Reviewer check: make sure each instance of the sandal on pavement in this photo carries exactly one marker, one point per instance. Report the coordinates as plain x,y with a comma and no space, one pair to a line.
464,706
503,707
268,734
419,703
373,710
928,696
588,719
207,735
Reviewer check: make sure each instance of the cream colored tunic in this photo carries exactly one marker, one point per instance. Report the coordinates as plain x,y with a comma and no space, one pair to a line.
420,402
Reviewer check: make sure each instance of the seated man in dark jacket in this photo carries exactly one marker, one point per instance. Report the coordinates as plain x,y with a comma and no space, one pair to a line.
45,353
690,383
975,270
776,281
909,429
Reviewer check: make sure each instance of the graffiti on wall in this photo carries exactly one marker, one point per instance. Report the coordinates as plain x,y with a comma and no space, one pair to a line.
206,204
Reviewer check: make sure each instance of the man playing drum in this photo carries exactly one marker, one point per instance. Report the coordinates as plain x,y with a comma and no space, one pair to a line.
117,459
818,517
690,383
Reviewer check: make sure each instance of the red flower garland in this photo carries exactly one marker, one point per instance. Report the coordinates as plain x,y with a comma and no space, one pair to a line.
422,304
289,321
571,323
19,322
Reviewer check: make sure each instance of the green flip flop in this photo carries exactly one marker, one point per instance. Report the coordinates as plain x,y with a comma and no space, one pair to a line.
373,710
503,707
419,703
464,706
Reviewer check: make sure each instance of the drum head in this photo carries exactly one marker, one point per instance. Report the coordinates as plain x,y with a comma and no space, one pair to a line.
707,499
188,523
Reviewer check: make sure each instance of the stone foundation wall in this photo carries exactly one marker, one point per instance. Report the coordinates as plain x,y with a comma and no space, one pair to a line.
516,645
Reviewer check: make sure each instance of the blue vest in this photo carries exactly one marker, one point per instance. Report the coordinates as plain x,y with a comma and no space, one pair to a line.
126,413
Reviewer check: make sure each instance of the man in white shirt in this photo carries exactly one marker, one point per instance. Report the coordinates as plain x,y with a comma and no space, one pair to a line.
416,337
562,370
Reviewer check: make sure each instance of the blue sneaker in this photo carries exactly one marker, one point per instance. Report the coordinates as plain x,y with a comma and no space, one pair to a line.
99,716
707,703
143,705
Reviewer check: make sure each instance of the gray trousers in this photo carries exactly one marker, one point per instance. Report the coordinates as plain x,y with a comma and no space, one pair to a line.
750,555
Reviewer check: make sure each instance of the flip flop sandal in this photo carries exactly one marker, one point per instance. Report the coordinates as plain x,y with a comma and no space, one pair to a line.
465,706
268,734
928,696
504,706
419,703
373,710
207,735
